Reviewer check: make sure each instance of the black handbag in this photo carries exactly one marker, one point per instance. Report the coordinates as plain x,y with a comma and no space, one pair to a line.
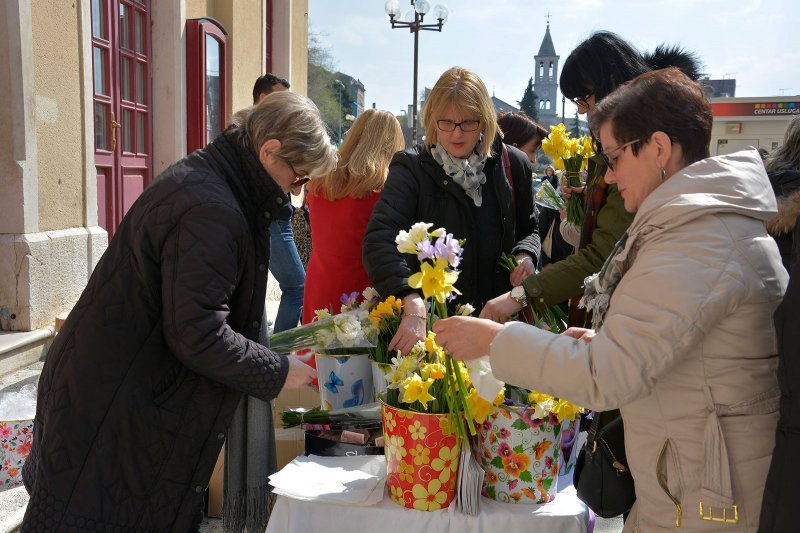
602,479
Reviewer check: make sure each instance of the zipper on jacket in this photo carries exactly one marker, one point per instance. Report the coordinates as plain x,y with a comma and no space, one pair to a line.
661,474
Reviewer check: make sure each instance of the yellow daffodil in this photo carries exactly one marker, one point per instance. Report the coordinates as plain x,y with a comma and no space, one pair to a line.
500,398
435,281
432,371
535,397
566,410
478,407
416,390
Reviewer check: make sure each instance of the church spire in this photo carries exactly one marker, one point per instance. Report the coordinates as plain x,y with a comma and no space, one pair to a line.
547,48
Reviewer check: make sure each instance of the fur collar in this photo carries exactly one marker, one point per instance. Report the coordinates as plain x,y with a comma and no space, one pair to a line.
788,211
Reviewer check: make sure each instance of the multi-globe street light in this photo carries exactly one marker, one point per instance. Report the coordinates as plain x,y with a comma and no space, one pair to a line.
414,24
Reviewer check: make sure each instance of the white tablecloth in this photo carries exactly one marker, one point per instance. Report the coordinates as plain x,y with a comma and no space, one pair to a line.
565,514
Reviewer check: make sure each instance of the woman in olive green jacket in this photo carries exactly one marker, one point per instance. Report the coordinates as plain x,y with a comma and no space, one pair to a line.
593,70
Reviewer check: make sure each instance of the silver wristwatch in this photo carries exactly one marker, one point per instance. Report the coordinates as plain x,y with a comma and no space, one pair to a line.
519,295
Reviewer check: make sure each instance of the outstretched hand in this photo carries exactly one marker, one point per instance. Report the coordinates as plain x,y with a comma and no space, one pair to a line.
300,374
524,269
500,308
466,337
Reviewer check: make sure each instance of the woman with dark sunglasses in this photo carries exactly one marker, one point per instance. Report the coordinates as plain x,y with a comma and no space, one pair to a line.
592,71
466,180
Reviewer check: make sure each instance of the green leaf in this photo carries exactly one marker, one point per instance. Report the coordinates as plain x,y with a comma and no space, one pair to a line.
520,424
518,448
556,430
497,462
490,492
546,483
526,476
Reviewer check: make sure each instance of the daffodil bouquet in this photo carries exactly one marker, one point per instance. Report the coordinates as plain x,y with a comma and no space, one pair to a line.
571,155
350,328
428,379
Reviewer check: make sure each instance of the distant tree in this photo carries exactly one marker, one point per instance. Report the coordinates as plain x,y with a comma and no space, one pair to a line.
528,102
323,88
576,126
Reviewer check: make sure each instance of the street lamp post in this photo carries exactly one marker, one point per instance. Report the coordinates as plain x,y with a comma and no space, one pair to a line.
341,86
420,9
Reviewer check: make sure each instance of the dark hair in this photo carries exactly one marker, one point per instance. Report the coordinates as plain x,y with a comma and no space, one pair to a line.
664,100
518,129
605,61
265,83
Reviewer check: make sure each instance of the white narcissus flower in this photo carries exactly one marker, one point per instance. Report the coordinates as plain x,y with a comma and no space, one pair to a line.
407,241
465,310
319,314
394,378
371,298
438,233
543,409
325,337
347,329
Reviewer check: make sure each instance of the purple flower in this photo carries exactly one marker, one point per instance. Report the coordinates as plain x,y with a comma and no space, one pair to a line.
349,300
448,248
513,484
504,433
426,250
548,462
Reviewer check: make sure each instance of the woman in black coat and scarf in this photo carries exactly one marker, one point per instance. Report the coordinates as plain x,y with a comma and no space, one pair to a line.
465,180
141,382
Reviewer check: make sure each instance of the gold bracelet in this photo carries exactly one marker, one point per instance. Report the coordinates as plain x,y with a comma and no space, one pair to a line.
415,316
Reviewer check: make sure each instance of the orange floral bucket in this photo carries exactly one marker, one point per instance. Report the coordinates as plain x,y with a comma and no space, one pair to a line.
422,455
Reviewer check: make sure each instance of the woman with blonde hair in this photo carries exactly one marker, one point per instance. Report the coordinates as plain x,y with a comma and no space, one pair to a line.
465,179
340,205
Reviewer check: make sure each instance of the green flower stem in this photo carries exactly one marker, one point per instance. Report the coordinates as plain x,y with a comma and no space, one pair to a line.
462,393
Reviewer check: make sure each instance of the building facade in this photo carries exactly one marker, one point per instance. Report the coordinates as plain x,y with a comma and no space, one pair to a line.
97,98
751,121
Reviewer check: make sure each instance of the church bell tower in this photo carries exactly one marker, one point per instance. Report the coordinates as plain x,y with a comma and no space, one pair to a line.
545,79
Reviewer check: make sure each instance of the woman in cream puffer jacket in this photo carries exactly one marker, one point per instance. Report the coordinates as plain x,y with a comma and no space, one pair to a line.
685,346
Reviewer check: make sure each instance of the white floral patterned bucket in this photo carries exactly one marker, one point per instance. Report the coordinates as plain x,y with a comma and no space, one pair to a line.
16,437
521,455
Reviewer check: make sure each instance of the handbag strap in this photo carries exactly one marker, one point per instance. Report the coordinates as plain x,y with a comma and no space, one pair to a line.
509,177
591,437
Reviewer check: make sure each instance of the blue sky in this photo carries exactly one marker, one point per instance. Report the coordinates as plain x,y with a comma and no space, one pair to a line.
754,41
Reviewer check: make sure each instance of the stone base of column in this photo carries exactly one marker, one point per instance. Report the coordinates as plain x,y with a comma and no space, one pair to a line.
43,274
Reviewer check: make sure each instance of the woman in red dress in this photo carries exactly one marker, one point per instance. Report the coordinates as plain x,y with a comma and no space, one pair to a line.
340,205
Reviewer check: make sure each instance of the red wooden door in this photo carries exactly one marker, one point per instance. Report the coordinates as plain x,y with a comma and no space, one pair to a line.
122,105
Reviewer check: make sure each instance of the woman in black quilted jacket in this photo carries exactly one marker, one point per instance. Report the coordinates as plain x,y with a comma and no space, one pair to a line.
143,378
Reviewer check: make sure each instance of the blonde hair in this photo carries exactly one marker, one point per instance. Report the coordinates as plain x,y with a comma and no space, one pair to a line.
364,157
467,92
296,122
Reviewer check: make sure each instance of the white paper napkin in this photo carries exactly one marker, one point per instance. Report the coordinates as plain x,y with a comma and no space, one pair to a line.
356,480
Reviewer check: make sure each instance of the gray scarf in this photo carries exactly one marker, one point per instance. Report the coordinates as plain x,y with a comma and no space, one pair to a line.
250,458
466,172
600,286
